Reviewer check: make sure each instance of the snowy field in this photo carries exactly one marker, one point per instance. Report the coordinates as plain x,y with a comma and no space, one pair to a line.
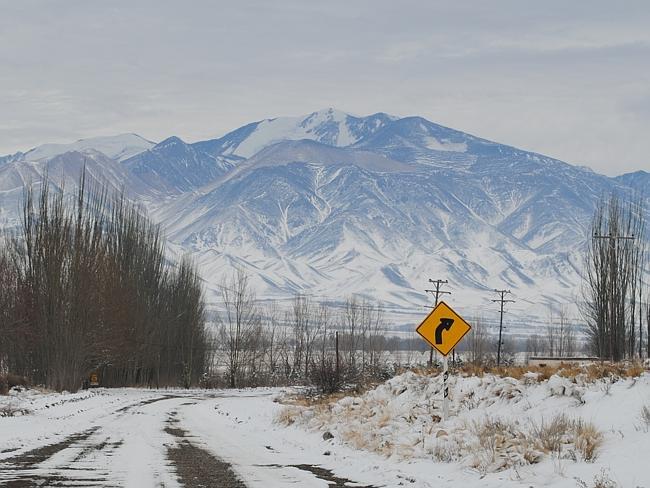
387,437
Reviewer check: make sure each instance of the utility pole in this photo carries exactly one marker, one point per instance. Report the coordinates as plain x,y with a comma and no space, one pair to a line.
502,300
338,363
437,292
613,240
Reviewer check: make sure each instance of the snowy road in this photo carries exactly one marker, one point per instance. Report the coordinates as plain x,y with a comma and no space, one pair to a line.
143,438
230,439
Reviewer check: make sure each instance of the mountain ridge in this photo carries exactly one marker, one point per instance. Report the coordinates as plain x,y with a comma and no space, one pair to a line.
334,204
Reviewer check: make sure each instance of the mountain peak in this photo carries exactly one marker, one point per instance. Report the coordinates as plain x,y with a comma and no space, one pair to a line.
639,180
327,114
120,147
170,141
328,126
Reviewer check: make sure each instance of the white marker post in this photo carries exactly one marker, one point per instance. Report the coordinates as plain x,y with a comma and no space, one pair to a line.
445,388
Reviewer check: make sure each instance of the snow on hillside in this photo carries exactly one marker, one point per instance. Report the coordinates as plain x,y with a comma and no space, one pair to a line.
117,147
63,171
329,126
172,166
502,431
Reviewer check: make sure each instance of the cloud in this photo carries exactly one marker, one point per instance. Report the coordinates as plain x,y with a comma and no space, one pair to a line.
568,79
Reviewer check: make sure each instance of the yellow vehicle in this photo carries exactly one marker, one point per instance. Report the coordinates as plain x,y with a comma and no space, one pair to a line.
93,380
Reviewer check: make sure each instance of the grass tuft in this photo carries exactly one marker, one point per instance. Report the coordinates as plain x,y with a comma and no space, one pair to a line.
645,417
587,439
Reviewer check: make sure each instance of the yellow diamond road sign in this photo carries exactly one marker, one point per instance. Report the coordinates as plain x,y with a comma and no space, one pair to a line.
443,328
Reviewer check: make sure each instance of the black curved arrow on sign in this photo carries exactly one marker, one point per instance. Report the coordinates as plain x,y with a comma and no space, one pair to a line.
445,324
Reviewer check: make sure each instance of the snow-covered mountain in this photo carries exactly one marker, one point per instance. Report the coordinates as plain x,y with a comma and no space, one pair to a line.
328,126
331,204
118,147
638,180
63,170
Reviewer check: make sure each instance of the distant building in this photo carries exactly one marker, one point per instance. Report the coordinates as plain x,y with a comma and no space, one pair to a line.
557,361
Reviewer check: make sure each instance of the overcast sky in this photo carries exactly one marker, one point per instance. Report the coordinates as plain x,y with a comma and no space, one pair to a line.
569,79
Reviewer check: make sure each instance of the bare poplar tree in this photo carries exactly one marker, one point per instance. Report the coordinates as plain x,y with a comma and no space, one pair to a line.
351,325
560,334
91,292
477,341
612,263
240,325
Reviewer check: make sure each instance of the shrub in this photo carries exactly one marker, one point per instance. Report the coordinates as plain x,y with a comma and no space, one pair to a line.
8,381
15,380
325,376
12,411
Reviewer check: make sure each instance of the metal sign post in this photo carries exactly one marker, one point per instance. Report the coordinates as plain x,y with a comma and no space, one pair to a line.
443,329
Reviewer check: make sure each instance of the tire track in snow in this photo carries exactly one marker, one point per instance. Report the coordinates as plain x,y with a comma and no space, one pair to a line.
23,470
77,460
195,466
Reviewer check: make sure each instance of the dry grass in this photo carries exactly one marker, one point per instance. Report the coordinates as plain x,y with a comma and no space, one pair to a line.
516,372
597,371
601,480
296,405
562,431
493,435
12,411
554,434
492,444
355,438
448,450
384,419
591,372
288,415
311,399
587,440
501,444
302,400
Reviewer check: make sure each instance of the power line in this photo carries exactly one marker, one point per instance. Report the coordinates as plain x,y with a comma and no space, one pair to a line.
502,300
437,292
614,237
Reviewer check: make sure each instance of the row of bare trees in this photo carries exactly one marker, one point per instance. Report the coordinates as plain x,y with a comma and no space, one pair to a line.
260,344
617,300
558,338
85,287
